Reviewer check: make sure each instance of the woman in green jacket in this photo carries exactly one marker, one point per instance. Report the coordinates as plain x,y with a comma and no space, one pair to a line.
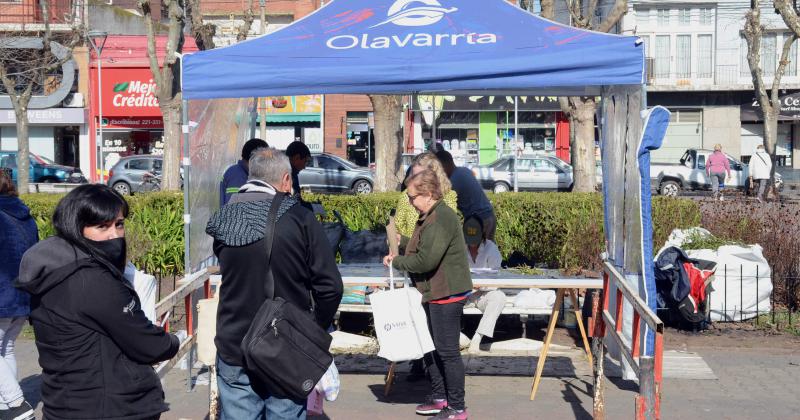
436,260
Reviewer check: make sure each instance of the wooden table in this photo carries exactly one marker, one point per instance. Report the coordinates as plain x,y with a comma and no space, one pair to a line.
378,276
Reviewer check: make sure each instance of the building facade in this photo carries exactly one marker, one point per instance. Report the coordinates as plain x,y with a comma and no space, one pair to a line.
697,67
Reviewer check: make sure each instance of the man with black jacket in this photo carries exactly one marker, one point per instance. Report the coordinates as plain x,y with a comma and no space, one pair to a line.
300,254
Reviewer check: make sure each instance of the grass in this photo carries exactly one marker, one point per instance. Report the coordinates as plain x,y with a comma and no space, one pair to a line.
784,322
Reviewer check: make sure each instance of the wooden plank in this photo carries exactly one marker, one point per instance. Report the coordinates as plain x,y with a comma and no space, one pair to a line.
194,282
624,348
633,298
185,347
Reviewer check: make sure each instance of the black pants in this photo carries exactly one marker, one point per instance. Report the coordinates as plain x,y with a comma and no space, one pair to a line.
444,365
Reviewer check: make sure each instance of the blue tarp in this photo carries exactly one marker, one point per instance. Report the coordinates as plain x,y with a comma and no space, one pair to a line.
403,46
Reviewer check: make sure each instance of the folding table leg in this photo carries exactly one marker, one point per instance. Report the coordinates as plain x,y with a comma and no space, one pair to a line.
387,386
543,354
579,318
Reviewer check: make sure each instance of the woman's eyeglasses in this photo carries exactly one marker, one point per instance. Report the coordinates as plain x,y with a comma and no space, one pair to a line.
412,197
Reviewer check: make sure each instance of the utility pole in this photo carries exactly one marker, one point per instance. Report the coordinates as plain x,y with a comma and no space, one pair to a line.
263,108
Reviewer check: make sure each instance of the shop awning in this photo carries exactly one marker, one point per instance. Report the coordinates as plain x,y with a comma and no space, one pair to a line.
291,117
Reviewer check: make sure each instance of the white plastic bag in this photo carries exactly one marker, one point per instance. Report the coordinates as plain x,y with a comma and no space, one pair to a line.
329,384
742,284
535,299
400,323
145,286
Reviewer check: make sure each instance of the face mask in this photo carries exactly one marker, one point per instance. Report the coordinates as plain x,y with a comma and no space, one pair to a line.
112,251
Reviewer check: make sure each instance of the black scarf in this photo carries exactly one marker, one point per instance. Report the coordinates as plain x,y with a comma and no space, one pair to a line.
112,252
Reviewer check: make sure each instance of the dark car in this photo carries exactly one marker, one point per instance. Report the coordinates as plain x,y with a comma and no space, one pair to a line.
330,173
127,175
42,169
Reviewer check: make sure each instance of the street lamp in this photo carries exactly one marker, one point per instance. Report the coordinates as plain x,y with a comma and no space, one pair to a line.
98,41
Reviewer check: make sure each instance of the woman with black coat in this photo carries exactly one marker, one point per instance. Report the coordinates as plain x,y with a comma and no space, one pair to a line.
96,347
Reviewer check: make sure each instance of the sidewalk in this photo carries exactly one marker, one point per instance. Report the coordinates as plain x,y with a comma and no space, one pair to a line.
754,382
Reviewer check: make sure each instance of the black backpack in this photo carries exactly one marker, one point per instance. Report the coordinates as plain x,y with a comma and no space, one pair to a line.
285,348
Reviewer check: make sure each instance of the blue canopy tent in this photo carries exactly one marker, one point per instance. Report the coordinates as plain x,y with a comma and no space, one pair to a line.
467,47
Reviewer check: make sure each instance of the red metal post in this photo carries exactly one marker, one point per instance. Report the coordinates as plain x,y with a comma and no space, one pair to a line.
658,370
618,314
635,335
207,289
187,303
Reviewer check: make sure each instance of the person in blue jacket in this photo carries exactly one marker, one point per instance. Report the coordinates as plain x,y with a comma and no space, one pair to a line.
18,232
236,175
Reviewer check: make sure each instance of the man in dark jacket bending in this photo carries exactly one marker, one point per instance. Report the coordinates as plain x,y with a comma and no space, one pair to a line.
300,253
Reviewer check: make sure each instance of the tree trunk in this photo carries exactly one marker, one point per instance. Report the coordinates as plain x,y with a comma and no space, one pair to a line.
171,111
23,150
770,142
388,141
582,146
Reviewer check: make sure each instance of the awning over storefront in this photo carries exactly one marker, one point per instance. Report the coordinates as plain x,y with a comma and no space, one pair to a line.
476,47
294,117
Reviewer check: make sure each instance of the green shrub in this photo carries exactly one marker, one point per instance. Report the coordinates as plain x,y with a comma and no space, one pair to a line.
154,228
555,229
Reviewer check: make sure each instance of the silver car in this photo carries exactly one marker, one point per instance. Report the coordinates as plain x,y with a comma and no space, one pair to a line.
127,175
534,173
330,173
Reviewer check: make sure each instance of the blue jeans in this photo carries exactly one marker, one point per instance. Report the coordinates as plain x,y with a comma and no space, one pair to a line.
238,401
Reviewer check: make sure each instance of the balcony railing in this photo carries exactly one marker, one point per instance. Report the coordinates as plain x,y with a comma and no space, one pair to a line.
719,76
30,12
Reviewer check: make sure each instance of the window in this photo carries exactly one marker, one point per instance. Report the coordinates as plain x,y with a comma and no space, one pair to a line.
744,66
701,162
663,17
769,47
139,164
157,164
704,56
683,61
706,16
791,69
327,163
684,17
643,16
8,161
541,165
661,66
523,165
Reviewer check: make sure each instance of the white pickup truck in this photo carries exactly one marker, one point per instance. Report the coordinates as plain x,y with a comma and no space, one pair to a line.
689,174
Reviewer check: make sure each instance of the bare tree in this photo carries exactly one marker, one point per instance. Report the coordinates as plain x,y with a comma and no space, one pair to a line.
249,17
168,87
388,141
27,61
768,101
202,32
580,110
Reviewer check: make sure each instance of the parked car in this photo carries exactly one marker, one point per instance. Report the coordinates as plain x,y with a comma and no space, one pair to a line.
689,174
127,175
534,173
42,169
330,173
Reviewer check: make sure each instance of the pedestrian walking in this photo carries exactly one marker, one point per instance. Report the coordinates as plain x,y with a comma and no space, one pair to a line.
761,170
96,346
300,256
436,259
718,169
236,175
18,232
299,155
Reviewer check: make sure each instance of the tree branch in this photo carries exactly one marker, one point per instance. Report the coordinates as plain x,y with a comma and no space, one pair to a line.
785,61
548,10
203,32
249,17
614,16
147,13
753,32
789,15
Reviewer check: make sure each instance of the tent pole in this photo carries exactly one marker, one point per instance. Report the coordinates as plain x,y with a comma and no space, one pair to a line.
254,118
644,97
187,161
516,142
433,130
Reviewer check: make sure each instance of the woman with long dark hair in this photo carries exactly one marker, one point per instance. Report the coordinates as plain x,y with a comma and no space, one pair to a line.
96,347
18,232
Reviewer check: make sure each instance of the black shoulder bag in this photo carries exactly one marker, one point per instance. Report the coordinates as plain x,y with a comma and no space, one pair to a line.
285,348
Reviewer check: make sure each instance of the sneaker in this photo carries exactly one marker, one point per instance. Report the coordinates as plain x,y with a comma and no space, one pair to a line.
431,406
451,414
22,412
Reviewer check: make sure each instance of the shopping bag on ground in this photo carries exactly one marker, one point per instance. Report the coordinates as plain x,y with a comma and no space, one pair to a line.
400,323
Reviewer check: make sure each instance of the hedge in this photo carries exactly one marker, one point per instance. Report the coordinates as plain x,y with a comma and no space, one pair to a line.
154,228
563,230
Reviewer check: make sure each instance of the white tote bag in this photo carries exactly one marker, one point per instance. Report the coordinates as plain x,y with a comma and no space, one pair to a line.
400,323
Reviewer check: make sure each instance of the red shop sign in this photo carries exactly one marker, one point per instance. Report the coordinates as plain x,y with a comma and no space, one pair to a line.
127,92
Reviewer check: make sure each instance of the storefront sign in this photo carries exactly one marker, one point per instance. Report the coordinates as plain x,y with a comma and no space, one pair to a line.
485,103
790,108
128,92
49,116
140,123
304,104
